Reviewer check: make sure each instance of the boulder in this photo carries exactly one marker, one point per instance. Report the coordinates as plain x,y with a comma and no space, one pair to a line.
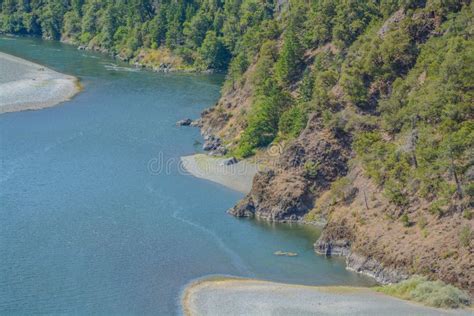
196,123
185,122
229,161
211,143
219,151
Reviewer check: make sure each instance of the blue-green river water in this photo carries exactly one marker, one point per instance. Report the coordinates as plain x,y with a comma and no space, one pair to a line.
87,228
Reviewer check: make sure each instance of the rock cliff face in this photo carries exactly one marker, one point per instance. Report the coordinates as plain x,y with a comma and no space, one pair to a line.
375,269
276,196
286,192
337,240
366,231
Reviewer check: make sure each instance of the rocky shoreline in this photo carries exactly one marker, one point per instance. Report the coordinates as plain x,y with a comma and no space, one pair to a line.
359,263
287,193
356,216
163,67
283,195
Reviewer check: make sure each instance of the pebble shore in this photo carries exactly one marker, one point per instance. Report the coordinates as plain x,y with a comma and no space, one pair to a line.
227,296
28,86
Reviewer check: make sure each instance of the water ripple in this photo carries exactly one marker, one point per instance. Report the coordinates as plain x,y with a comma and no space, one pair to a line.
237,261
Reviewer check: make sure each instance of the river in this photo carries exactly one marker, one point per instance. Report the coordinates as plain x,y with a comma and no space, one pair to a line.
90,225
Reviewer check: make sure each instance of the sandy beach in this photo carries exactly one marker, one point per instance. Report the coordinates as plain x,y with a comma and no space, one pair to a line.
238,176
226,296
28,86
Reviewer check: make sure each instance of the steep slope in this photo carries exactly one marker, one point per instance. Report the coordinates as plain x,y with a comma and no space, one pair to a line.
386,155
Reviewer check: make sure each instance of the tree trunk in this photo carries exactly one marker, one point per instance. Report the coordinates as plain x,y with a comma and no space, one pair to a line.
365,200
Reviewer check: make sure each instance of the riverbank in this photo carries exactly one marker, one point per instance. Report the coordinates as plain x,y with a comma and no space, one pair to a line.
237,176
227,296
25,85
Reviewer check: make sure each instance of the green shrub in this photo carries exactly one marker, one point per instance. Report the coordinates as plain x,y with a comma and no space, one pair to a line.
244,150
465,236
422,222
340,187
311,169
394,192
85,37
436,208
292,122
405,220
467,214
431,293
469,190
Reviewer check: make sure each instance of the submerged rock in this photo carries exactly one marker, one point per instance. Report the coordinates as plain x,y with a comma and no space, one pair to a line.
184,122
285,253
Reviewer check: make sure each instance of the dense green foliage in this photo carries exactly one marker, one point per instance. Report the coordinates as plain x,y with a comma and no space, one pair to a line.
431,293
205,33
429,117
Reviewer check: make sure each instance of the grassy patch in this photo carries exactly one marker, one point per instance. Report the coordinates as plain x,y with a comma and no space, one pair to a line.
431,293
155,57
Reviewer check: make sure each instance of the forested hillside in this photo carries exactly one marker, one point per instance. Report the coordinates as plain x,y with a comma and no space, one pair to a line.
372,103
192,34
375,115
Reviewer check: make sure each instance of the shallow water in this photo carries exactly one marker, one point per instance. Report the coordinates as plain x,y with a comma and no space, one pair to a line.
89,225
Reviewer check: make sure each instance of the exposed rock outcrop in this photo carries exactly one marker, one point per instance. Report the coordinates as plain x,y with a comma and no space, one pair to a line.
307,166
391,22
368,233
339,247
229,161
276,197
359,263
184,122
336,240
375,269
213,145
